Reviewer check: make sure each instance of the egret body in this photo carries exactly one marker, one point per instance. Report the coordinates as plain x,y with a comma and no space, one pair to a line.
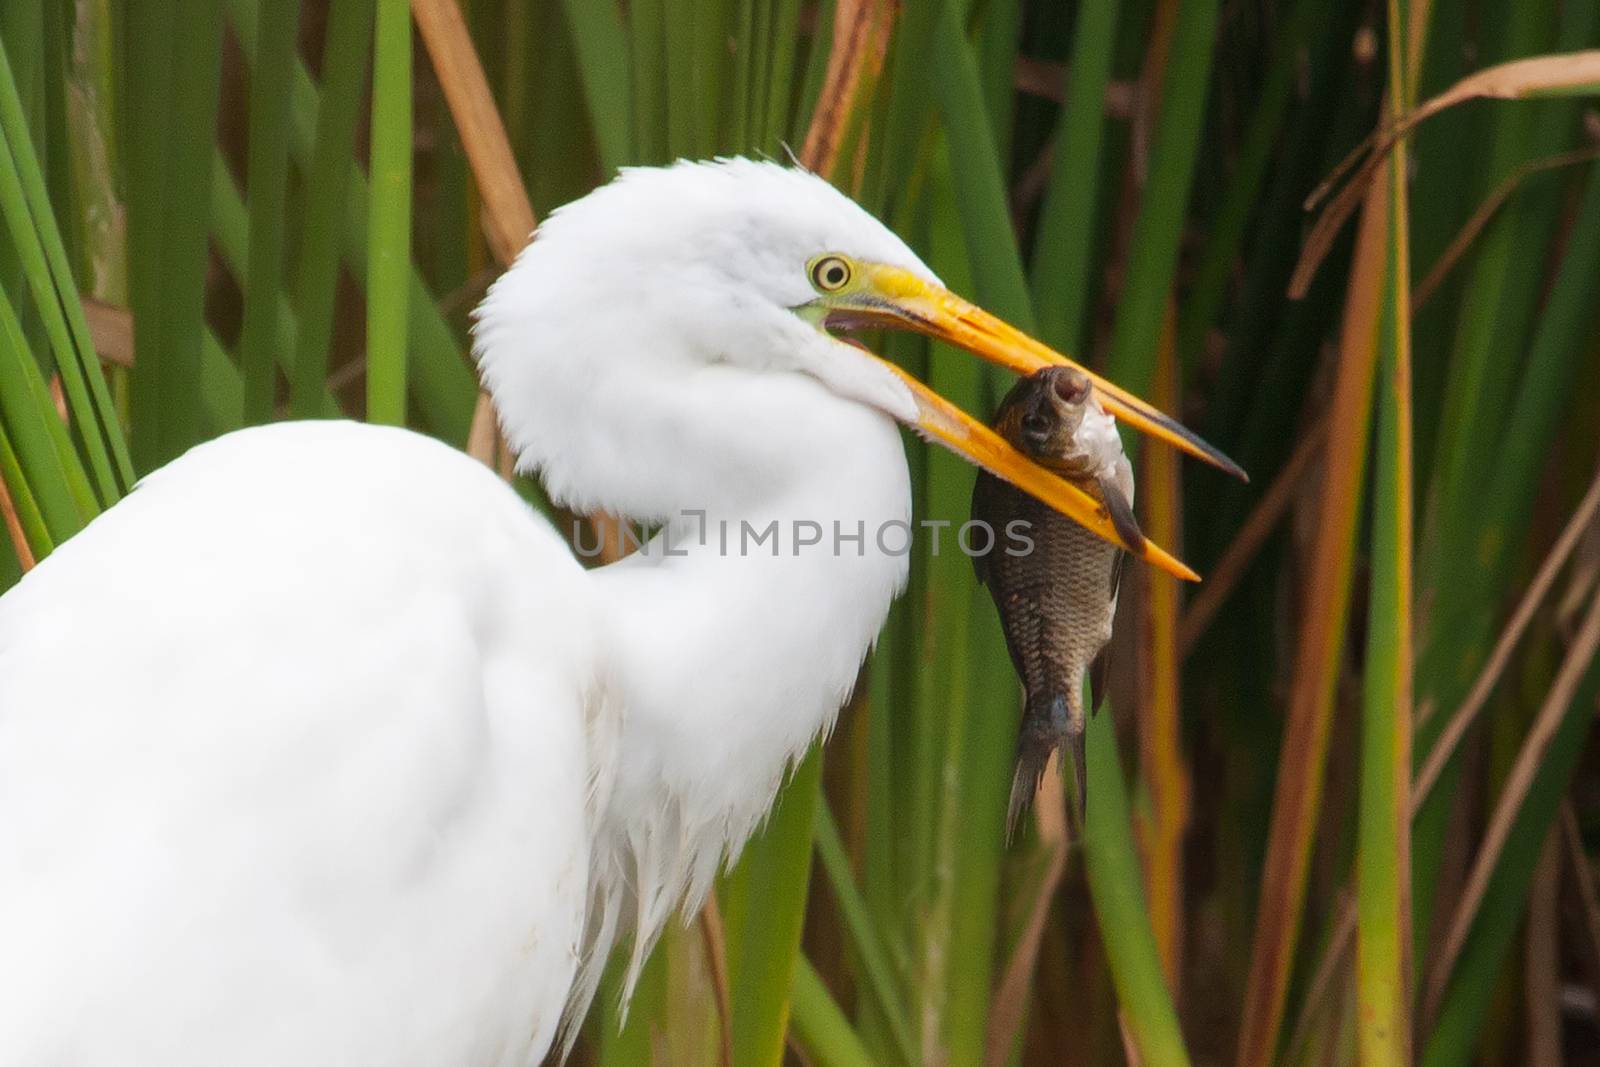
321,747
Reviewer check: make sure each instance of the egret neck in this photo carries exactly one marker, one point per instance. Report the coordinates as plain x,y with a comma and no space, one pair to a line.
740,629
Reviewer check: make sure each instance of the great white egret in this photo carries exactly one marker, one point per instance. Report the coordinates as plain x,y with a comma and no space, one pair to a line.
321,747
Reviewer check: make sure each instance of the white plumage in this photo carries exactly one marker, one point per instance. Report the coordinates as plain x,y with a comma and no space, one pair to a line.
321,748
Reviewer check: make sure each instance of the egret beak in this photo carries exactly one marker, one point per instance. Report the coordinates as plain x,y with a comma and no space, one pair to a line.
896,298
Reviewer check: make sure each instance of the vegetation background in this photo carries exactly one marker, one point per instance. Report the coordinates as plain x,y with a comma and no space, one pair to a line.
1345,804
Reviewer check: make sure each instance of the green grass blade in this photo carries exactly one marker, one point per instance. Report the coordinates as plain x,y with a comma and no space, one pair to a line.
783,41
389,229
764,949
820,1028
760,66
221,388
177,84
683,109
743,73
1383,881
267,180
443,386
998,37
975,167
896,145
22,32
327,168
977,818
1064,248
602,52
1116,886
34,528
1481,368
48,462
57,164
1158,228
1559,344
885,822
147,39
714,70
647,34
864,939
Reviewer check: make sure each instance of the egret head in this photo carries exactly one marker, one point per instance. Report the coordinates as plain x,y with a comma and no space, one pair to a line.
687,310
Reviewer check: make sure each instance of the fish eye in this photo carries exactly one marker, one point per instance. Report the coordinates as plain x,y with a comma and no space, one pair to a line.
1035,424
831,273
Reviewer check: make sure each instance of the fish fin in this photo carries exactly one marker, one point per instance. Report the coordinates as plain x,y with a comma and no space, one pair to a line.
1074,751
1121,513
1099,671
1116,574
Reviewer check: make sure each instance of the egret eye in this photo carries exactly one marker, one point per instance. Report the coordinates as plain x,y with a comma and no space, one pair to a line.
831,273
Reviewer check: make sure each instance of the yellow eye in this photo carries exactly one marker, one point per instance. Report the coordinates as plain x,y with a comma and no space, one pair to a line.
830,273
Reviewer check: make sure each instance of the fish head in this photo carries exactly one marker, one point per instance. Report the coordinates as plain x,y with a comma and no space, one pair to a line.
1049,410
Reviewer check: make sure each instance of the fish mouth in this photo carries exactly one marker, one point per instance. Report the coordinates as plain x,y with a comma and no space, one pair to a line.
894,298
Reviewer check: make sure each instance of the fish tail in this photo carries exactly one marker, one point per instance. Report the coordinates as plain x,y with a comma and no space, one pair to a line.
1045,725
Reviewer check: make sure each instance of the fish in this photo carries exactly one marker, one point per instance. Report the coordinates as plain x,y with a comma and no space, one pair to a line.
1054,583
